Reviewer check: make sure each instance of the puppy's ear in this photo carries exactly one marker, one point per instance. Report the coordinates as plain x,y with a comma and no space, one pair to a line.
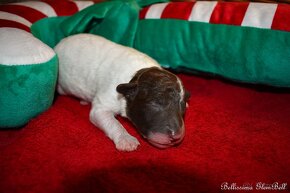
129,90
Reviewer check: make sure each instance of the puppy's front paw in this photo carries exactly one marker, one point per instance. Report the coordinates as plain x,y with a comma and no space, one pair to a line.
127,142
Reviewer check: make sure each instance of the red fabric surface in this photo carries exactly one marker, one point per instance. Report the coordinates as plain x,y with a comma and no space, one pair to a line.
8,23
28,13
234,134
177,10
281,21
62,8
231,14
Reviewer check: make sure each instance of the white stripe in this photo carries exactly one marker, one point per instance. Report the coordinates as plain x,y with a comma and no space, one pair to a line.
18,47
45,8
83,4
155,11
13,17
260,15
202,11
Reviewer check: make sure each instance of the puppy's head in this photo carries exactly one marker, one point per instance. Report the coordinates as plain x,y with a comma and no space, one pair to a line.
156,103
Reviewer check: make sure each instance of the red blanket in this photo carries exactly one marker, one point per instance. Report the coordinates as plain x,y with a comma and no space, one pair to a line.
236,138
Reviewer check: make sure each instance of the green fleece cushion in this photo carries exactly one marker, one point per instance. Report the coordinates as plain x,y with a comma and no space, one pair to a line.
28,74
241,41
243,54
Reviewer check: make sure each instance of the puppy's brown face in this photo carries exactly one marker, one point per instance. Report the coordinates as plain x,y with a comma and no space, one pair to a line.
156,103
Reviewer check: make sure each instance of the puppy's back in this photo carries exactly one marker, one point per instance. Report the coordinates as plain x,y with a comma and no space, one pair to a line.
89,64
80,57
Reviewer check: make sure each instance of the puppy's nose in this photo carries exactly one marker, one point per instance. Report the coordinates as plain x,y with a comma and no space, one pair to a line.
176,134
171,132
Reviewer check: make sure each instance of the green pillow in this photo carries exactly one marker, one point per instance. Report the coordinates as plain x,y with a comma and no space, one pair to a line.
28,74
241,41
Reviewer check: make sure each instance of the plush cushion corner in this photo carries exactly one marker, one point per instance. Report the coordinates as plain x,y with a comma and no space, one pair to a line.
28,75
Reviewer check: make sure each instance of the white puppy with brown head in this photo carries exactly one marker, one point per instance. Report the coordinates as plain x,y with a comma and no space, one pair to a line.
120,80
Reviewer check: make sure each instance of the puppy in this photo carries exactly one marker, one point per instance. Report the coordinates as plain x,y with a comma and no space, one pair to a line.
120,80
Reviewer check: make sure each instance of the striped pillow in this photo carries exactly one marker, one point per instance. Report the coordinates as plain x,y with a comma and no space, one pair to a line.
241,41
28,67
260,15
22,15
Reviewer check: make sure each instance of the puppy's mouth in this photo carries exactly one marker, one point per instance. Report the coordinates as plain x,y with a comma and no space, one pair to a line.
165,145
163,141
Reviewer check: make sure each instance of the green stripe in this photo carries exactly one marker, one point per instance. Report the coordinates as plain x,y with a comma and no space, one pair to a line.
243,54
26,91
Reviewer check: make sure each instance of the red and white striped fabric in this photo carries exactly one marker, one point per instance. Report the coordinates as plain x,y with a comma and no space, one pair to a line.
23,15
260,15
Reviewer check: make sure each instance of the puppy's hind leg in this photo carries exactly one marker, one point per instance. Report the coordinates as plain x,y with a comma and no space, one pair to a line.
105,120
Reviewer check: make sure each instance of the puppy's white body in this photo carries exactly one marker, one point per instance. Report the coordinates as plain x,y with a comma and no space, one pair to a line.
90,68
